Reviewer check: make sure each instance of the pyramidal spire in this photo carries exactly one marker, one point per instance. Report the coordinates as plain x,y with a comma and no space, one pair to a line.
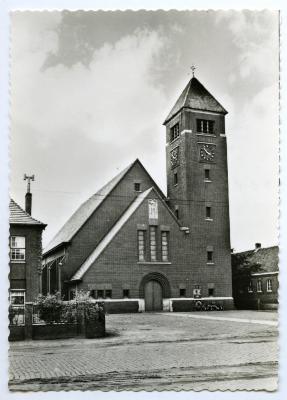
196,97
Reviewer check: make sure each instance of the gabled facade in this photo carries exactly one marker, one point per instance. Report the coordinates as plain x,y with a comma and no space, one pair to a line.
25,255
138,249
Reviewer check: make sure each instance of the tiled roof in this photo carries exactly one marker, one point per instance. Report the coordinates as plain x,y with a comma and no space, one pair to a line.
195,96
266,257
110,235
18,216
81,215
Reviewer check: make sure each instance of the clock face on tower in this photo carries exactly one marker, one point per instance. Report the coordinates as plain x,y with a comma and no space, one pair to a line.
174,157
207,152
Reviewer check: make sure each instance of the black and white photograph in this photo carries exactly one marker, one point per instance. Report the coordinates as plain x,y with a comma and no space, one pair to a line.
144,200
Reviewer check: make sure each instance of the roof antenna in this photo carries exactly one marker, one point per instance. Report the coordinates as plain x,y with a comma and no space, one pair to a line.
193,68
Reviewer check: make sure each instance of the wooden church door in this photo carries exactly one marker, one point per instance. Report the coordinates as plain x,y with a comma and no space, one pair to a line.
153,296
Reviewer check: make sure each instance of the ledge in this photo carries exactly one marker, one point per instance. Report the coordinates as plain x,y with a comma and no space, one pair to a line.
154,262
210,263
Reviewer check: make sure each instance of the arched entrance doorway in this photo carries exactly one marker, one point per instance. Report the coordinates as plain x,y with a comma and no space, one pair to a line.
153,288
153,296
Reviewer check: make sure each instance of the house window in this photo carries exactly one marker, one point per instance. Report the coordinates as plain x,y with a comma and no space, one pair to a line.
126,293
175,178
208,212
164,246
210,292
174,132
205,126
250,287
17,246
137,186
209,256
100,294
207,174
108,293
182,292
259,285
269,285
152,235
141,245
17,311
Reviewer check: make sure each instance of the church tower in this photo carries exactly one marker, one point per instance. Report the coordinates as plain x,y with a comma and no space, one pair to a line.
197,183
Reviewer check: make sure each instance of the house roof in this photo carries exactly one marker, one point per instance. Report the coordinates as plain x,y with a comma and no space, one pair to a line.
110,235
81,215
266,257
18,216
197,97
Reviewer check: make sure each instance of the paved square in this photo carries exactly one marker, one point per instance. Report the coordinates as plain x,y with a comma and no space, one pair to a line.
156,351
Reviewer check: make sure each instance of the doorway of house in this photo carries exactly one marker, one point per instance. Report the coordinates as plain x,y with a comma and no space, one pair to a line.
153,296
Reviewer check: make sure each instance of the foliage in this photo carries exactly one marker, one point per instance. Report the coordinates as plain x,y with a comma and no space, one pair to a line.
242,270
50,308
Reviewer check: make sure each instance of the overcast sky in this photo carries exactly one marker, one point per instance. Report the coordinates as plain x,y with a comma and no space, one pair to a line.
90,90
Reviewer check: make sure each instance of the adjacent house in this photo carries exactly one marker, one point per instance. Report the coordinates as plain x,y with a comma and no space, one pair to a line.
260,290
138,249
25,255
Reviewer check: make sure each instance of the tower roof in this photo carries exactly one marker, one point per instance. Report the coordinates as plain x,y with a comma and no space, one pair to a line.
20,217
196,97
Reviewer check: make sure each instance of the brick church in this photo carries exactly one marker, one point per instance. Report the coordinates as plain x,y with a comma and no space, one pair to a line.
137,249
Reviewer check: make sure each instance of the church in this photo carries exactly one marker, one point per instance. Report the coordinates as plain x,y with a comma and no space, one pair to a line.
137,249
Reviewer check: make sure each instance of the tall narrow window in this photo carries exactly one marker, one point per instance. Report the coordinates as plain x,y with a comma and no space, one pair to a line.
207,174
126,293
269,285
209,256
182,292
250,287
176,211
208,212
17,247
210,292
259,285
141,245
164,246
174,132
175,178
152,234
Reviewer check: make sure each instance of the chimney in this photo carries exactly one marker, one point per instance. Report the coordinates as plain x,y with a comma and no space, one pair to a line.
257,246
28,196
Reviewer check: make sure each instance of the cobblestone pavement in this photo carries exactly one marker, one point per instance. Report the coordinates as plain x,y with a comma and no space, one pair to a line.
155,351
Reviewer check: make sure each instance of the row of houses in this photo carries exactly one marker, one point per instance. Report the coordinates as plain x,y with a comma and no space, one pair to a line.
138,249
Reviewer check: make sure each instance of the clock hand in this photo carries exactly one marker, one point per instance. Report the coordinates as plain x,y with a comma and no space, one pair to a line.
207,152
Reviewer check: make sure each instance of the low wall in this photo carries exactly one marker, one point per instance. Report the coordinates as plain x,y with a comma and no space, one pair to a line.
54,331
119,307
16,332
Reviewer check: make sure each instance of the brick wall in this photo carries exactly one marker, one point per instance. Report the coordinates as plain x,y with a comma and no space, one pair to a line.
26,275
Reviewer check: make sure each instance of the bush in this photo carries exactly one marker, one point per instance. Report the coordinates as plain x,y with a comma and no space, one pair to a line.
50,308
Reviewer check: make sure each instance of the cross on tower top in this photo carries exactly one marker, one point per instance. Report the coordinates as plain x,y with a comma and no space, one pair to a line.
193,68
29,179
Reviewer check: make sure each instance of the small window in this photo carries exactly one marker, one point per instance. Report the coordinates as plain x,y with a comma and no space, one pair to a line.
210,292
209,256
17,245
100,294
205,126
269,285
259,285
207,174
176,211
250,287
92,294
141,245
208,212
137,186
174,132
17,298
153,249
164,246
108,293
182,292
175,178
126,293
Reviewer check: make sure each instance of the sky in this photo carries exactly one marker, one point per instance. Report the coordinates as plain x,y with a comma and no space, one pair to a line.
90,91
